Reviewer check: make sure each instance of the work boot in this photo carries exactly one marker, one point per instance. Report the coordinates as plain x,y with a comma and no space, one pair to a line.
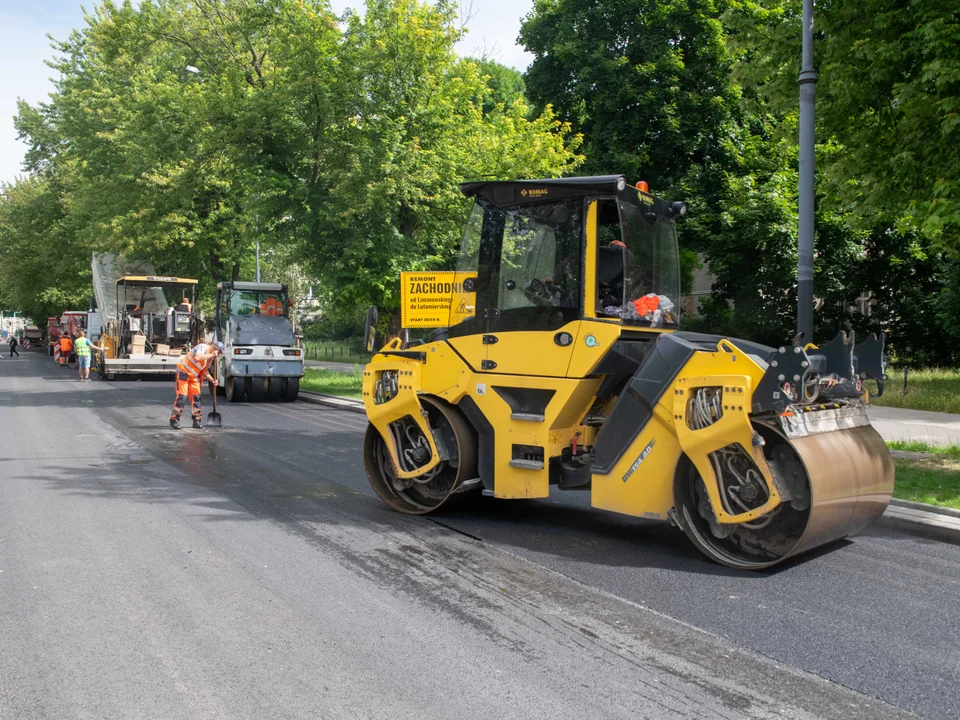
174,423
196,423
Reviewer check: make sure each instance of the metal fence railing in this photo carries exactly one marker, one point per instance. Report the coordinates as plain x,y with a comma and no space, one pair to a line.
335,352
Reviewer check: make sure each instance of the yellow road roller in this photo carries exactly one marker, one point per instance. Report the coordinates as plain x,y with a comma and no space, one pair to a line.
557,362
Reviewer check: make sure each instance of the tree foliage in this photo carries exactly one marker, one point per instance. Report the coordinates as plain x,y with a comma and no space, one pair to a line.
888,99
650,87
700,99
42,273
188,130
644,82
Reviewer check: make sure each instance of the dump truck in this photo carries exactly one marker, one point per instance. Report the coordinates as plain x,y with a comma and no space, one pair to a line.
67,326
33,335
562,367
261,360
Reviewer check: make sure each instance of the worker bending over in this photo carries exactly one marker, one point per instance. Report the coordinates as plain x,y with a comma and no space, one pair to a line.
191,371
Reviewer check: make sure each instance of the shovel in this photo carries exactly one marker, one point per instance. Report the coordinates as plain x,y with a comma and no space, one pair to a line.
213,418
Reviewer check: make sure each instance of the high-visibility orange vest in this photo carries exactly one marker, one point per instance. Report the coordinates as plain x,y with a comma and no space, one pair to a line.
66,344
191,365
271,307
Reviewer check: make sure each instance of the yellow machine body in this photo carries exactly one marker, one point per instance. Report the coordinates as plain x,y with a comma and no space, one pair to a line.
706,432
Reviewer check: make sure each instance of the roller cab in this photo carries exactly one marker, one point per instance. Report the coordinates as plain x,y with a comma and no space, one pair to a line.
560,367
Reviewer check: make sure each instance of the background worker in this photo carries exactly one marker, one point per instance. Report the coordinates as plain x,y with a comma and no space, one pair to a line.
66,349
82,347
13,346
191,371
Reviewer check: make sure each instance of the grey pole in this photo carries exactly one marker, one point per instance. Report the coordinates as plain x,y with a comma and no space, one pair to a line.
256,230
808,93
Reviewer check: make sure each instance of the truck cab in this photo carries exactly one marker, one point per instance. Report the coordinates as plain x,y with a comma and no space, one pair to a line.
261,358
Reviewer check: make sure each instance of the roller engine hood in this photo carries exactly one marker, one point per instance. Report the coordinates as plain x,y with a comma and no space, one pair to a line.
260,330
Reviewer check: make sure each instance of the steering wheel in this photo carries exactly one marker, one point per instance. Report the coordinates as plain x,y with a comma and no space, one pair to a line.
537,293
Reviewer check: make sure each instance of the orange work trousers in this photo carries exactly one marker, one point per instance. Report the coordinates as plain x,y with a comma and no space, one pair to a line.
188,386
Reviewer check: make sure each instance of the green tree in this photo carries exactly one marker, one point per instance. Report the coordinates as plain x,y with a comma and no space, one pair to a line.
506,84
887,97
337,143
650,87
645,82
888,159
43,270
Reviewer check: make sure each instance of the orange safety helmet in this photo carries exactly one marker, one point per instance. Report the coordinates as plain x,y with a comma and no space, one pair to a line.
271,307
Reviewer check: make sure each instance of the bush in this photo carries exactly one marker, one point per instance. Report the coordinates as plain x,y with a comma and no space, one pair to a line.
337,324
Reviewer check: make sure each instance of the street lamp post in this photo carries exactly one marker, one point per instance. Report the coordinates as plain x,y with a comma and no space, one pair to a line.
256,230
256,218
808,93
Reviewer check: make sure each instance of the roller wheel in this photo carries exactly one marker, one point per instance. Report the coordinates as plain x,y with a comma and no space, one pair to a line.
747,546
257,390
274,389
836,483
433,489
235,389
291,390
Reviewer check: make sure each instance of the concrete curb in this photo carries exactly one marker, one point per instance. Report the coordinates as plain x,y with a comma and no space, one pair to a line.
936,509
927,521
332,401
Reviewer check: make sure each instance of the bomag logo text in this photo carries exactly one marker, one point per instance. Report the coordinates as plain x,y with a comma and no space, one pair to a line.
643,456
534,192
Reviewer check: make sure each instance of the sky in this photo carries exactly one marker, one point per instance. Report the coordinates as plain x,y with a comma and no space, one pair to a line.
24,48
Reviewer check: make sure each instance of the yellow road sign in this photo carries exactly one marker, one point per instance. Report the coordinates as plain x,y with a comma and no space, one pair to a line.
435,299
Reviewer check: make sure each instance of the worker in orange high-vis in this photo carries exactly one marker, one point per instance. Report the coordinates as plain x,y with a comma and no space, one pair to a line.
191,371
66,349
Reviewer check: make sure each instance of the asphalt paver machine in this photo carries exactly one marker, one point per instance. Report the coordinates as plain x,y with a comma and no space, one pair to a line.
154,323
569,373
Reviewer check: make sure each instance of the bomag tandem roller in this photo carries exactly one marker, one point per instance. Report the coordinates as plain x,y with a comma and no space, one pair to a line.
561,365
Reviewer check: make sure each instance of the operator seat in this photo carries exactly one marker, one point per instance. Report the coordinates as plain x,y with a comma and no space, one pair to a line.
610,275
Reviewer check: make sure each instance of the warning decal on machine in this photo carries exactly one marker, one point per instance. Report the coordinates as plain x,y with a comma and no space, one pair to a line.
435,299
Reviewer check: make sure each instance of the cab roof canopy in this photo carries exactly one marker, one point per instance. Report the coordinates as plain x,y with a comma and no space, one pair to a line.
522,192
155,281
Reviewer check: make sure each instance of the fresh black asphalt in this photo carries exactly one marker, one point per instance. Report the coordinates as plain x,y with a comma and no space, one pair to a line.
250,572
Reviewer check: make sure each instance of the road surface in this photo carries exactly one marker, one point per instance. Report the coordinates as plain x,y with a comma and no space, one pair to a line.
250,573
934,428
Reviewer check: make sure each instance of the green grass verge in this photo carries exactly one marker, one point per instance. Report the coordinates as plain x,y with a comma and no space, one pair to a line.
935,480
333,382
951,451
937,390
928,481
